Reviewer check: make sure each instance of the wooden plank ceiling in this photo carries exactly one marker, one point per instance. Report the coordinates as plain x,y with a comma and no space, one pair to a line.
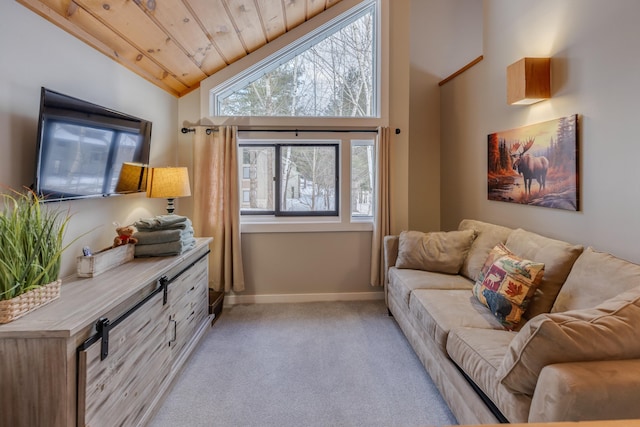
175,44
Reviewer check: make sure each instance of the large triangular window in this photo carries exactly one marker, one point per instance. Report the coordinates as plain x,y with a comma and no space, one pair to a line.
331,72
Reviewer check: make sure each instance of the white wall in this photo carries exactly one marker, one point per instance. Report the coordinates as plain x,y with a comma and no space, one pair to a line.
188,117
36,53
445,36
399,90
593,46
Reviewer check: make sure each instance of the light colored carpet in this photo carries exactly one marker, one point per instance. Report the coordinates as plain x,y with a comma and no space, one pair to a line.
308,364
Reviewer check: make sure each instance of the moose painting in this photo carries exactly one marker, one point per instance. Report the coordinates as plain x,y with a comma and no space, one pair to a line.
535,165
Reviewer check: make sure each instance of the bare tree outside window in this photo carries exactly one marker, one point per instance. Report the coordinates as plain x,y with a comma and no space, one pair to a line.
330,73
333,78
362,178
308,178
289,179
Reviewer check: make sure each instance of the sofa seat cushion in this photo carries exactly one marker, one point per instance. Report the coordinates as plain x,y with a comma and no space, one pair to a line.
403,281
594,278
558,258
479,354
442,251
607,332
438,311
487,236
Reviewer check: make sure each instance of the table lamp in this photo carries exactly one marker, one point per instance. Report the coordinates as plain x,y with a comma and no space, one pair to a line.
132,178
168,183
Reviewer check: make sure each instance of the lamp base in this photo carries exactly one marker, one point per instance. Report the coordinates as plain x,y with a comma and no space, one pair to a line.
170,206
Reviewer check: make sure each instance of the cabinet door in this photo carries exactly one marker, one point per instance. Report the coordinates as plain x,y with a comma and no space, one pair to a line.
117,391
189,303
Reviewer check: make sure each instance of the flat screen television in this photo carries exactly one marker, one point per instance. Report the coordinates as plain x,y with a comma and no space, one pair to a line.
83,149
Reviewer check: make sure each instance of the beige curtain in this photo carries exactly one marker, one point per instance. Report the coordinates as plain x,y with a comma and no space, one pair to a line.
382,221
216,205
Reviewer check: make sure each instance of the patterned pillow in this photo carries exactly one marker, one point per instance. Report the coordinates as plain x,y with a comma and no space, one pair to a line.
506,283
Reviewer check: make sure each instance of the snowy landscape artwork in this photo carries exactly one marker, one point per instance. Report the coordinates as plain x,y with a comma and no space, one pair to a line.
535,164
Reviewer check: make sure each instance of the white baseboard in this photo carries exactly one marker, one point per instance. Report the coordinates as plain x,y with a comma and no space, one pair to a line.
320,297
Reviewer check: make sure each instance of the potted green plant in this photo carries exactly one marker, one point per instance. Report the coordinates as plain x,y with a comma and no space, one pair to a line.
30,253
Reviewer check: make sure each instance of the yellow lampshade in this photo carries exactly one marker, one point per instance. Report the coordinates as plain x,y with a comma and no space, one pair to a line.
529,81
132,178
168,183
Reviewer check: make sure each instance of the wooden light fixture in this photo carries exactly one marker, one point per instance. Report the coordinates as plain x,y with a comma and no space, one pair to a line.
529,81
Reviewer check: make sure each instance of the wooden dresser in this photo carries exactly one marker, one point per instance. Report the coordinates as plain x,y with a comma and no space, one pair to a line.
105,353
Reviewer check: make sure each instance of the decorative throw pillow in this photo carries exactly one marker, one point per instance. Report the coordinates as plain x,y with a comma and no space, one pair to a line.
441,251
506,283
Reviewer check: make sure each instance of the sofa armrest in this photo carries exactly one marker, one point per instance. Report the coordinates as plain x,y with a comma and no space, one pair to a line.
390,255
577,391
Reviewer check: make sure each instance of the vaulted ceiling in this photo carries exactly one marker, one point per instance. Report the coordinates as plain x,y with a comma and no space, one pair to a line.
175,44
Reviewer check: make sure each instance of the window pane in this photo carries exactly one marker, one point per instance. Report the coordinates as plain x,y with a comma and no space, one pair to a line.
362,178
308,178
334,77
257,183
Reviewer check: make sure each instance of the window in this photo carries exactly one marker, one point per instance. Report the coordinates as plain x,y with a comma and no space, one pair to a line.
326,80
291,179
331,72
308,178
362,178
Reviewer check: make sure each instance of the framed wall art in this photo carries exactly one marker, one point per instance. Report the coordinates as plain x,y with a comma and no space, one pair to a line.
535,164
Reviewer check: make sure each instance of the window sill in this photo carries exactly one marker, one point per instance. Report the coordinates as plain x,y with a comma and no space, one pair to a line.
304,227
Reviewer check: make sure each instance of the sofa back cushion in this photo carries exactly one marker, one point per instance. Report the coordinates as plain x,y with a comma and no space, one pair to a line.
594,278
558,258
441,251
607,332
487,237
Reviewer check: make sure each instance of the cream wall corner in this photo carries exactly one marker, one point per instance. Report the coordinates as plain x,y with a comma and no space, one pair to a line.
399,89
445,36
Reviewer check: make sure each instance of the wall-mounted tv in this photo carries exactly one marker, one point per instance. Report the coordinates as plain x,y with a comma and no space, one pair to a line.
82,148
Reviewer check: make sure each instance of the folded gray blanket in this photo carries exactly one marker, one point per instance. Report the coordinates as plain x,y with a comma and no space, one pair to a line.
163,222
162,236
165,249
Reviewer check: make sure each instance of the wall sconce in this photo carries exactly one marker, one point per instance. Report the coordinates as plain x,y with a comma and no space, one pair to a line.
168,183
528,81
132,178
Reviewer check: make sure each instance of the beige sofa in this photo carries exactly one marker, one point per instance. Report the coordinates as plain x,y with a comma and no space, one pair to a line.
575,355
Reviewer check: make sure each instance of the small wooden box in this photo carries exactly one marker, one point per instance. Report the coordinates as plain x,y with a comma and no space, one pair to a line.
98,263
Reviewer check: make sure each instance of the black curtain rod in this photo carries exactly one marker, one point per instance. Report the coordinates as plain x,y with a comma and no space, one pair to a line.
209,130
310,130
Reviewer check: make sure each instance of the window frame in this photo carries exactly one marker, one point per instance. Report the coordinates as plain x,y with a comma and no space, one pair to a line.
304,41
272,48
345,221
250,127
363,143
278,211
